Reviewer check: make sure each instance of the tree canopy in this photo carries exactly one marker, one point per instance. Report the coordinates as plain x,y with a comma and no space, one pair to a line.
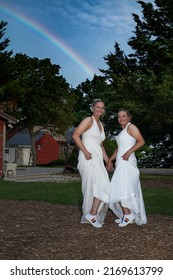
35,93
141,81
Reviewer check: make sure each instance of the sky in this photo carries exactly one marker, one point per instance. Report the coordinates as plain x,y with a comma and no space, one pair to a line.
74,34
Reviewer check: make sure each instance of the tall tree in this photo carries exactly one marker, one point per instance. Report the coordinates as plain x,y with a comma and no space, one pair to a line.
43,97
5,62
152,43
121,79
142,80
153,48
4,55
85,94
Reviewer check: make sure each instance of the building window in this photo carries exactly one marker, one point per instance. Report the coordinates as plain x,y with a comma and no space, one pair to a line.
38,147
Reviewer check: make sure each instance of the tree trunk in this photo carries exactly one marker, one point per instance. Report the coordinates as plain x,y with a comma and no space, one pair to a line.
33,149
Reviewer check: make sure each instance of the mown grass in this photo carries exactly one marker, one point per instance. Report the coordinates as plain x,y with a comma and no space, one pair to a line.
157,200
61,193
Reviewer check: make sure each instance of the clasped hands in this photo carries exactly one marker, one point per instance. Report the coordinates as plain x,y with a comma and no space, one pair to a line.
109,166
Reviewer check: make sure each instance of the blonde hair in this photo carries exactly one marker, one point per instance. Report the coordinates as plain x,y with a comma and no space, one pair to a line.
95,102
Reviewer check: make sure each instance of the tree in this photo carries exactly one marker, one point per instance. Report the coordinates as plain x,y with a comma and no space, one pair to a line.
153,48
43,97
152,43
6,65
142,81
85,94
5,56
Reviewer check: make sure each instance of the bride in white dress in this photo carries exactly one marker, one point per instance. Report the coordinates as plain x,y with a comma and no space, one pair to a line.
126,200
95,179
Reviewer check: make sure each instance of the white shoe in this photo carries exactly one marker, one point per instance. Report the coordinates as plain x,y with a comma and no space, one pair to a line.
128,219
118,221
92,219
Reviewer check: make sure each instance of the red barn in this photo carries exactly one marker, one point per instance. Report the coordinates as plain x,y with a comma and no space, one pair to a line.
47,149
4,119
18,148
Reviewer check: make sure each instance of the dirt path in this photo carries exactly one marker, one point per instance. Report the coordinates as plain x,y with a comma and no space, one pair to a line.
37,230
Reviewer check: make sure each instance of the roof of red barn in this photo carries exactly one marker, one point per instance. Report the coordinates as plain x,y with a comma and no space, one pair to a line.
47,134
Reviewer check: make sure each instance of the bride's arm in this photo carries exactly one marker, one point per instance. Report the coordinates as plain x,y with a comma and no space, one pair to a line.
82,127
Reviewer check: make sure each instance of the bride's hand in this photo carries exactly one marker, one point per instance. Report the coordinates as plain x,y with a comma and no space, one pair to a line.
88,155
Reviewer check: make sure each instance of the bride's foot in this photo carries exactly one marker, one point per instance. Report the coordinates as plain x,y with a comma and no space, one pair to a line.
127,219
119,220
92,219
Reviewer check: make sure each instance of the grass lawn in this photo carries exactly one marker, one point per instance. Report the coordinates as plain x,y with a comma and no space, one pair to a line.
157,200
59,193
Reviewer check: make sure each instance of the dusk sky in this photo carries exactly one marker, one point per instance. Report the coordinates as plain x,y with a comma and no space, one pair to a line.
74,34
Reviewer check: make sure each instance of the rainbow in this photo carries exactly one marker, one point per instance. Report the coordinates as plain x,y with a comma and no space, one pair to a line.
46,34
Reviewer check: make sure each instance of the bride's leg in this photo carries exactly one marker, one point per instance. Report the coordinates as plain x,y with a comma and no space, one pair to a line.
92,215
128,217
126,211
95,205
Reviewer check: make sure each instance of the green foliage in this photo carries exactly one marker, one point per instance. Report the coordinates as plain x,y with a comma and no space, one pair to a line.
34,92
5,57
110,146
85,94
157,155
141,81
46,95
44,98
